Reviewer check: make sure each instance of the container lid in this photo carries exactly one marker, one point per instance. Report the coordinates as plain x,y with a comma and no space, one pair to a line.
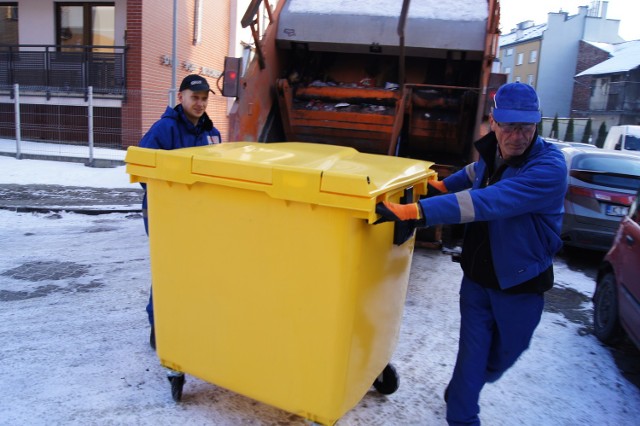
296,171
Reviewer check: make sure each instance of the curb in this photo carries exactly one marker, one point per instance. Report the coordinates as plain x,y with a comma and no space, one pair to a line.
79,210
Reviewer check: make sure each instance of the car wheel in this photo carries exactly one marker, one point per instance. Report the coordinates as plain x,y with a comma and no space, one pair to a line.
606,325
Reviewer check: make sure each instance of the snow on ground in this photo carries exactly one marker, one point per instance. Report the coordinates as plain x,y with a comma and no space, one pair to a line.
52,149
75,338
43,172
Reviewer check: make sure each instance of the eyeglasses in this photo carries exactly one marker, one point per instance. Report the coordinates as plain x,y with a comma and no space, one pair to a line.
511,127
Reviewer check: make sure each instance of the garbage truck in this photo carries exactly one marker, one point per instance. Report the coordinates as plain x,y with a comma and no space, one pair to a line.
410,79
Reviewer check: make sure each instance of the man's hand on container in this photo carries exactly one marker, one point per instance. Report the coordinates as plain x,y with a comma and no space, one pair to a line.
393,212
436,187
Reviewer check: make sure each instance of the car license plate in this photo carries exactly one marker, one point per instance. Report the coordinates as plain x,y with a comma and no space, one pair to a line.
612,210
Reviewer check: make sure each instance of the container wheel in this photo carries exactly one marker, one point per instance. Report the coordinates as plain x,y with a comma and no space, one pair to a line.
177,383
388,381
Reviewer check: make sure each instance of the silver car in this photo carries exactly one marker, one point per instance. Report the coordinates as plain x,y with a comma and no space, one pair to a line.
602,186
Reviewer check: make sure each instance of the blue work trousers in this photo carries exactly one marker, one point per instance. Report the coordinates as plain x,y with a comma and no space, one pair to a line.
495,329
150,308
145,218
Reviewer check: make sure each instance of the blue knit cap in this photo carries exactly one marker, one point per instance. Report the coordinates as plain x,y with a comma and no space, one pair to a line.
516,103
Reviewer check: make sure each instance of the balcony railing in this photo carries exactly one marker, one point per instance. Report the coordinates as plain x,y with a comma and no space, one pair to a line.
63,70
621,97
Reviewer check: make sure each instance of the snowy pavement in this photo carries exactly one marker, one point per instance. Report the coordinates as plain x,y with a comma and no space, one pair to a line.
75,337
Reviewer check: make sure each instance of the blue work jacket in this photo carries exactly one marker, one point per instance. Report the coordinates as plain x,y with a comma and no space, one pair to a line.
523,209
174,131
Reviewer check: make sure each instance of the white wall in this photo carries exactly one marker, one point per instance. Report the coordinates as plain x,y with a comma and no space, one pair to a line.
558,59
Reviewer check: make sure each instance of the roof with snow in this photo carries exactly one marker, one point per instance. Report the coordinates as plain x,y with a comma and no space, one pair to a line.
624,57
519,36
343,24
456,10
607,47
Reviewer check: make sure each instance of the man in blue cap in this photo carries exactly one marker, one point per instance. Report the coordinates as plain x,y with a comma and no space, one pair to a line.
511,201
186,125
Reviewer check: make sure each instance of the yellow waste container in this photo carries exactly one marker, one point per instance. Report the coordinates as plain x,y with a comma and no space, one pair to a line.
269,277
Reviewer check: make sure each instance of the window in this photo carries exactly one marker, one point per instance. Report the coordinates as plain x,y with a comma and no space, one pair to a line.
509,52
520,58
8,23
533,56
507,70
530,79
518,79
85,23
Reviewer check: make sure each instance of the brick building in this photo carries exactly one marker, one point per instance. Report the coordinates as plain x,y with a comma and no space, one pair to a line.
121,49
589,54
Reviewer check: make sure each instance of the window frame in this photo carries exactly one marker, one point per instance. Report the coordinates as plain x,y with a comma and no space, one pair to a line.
87,22
12,4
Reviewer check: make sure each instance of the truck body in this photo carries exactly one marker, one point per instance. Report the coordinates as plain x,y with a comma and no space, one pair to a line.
410,79
623,138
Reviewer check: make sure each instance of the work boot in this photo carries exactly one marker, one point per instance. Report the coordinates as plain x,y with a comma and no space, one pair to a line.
152,338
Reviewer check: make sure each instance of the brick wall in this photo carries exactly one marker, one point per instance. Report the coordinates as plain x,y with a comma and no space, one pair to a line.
588,56
132,107
150,38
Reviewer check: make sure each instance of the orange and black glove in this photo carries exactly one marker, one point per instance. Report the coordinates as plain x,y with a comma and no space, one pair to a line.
436,187
392,212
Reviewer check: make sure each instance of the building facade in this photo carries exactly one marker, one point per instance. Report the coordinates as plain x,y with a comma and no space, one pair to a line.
548,55
560,51
614,96
121,49
520,53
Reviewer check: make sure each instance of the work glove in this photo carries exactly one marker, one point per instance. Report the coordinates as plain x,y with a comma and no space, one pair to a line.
393,212
435,187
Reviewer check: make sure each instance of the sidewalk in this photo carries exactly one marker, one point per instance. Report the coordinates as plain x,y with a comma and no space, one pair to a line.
34,185
55,198
102,157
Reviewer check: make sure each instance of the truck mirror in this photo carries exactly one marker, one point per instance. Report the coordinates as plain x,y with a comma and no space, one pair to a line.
231,77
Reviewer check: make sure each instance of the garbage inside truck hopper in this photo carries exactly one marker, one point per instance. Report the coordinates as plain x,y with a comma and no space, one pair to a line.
377,76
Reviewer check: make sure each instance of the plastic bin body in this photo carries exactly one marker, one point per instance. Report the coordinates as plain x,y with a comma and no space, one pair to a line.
268,277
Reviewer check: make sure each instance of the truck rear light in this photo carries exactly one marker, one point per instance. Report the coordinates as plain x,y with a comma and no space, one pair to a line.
231,77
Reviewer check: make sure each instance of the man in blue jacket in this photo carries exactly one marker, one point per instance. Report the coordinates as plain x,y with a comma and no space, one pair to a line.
511,201
184,126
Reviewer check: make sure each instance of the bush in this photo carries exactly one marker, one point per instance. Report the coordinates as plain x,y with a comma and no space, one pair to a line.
602,135
540,127
568,136
587,132
554,128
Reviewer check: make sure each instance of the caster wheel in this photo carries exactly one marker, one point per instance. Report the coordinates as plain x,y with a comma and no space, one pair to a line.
388,381
177,383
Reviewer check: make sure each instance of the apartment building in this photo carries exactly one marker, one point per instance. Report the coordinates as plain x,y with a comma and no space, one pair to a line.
123,50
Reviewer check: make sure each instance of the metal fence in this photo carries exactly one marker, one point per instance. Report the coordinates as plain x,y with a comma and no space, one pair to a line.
95,131
39,68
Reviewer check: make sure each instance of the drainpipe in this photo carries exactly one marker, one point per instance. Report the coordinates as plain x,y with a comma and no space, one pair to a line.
401,23
174,55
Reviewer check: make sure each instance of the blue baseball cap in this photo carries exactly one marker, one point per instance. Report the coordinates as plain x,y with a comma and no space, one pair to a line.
516,103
